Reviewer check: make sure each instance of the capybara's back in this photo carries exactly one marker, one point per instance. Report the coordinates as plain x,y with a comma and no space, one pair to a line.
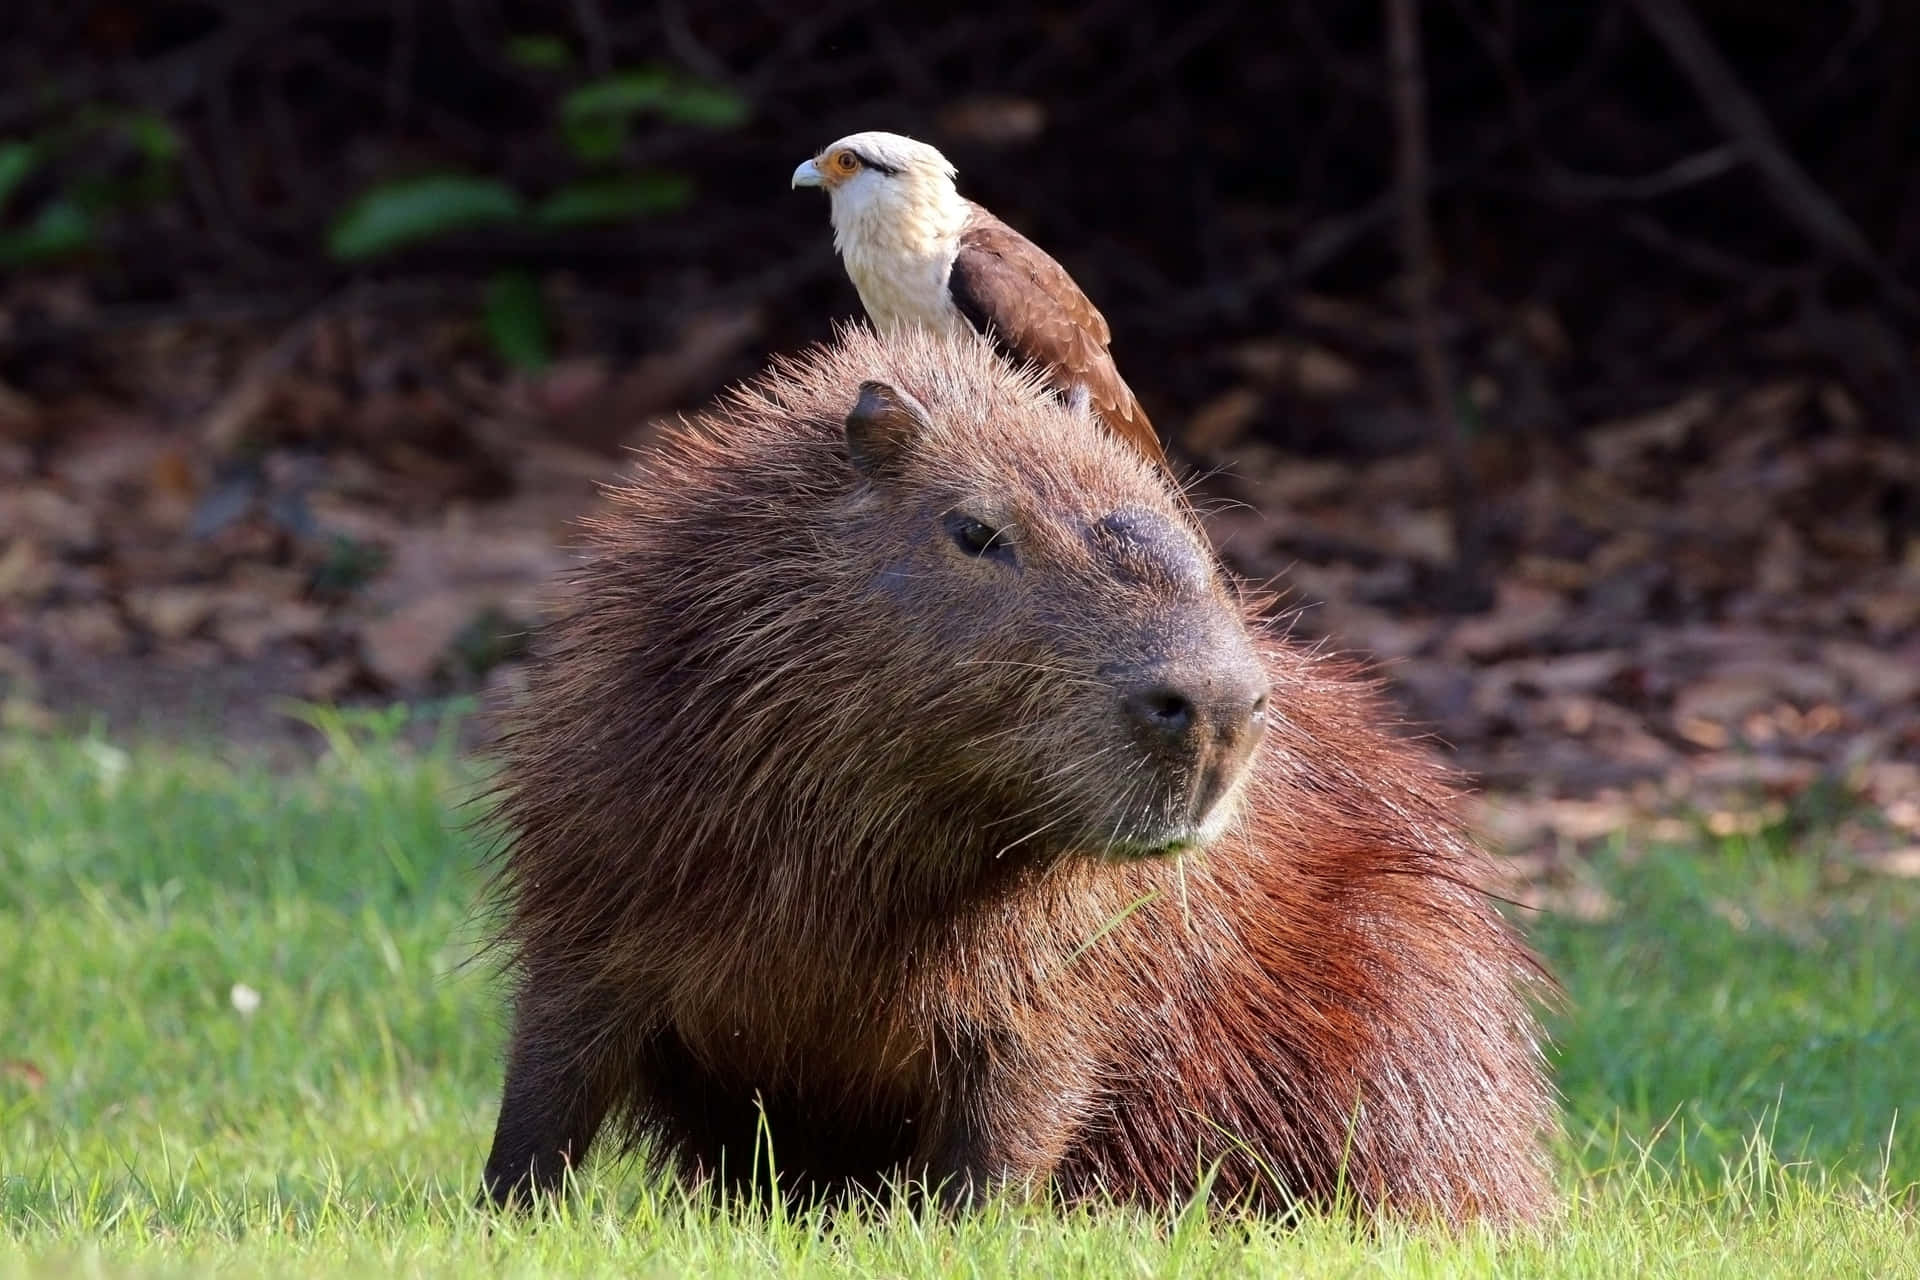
908,793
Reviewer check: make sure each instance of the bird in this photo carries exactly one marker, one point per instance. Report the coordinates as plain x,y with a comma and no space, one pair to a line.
920,254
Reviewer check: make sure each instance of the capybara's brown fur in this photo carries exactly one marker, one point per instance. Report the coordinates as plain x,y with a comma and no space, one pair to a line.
908,792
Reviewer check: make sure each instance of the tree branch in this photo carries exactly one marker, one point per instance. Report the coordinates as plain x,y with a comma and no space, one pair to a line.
1795,194
1407,90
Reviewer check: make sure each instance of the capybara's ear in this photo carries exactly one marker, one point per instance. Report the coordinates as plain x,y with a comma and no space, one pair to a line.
882,426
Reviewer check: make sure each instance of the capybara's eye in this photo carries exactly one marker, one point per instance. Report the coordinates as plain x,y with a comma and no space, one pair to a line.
978,538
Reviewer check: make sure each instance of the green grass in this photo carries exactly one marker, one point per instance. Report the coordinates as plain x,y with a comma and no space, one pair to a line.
1738,1045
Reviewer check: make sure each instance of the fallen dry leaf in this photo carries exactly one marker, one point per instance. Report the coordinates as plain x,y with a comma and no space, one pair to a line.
1891,781
1895,862
406,647
1722,823
248,396
1581,819
175,612
1765,408
1884,675
21,714
1735,691
1288,482
1777,774
1629,550
1222,420
1540,325
274,622
1372,631
1781,563
1305,367
1565,672
1890,613
1702,733
25,570
1553,572
1521,613
1576,715
327,682
88,628
1840,407
66,526
1614,445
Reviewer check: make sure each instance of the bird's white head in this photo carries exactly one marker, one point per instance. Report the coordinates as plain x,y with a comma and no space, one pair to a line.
886,185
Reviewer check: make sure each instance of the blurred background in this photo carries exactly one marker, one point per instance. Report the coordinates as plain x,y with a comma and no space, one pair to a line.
1560,358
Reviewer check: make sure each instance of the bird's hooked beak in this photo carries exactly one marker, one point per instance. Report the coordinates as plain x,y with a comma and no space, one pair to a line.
808,175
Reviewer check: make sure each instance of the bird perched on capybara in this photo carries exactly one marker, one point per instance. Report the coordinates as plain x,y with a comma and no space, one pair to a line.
923,256
907,792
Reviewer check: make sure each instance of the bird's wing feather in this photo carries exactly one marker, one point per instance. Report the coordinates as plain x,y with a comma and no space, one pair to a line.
1004,282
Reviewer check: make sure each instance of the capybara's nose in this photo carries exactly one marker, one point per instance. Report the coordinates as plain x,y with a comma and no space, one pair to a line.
1163,711
1190,706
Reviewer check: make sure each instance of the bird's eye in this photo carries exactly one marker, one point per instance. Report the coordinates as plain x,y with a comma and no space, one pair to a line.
978,538
845,162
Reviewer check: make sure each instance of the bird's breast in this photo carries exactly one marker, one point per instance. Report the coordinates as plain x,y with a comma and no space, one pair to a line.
904,291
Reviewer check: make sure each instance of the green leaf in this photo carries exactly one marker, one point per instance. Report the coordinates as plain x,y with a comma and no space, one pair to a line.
153,135
539,52
594,139
621,95
415,209
61,228
17,163
705,104
595,117
517,319
614,199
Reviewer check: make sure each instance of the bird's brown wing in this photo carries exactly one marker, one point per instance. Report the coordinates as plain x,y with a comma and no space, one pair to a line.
1002,282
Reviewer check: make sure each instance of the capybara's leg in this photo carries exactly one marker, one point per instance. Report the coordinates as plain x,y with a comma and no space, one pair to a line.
1004,1118
550,1109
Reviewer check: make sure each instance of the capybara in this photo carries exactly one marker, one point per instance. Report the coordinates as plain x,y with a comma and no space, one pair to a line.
906,794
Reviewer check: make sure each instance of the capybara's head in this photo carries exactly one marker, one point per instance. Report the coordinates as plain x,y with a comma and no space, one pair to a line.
1060,623
900,591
